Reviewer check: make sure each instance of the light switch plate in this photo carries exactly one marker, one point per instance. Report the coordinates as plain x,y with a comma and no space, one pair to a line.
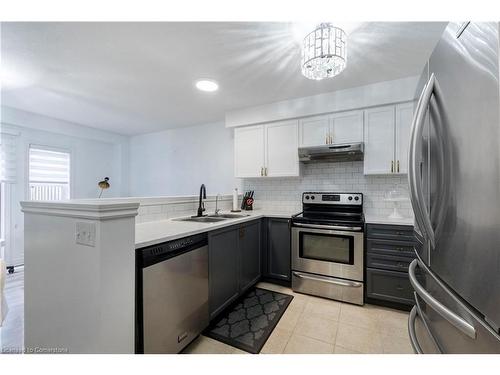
85,233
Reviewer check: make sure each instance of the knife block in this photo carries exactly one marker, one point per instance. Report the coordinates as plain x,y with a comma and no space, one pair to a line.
247,204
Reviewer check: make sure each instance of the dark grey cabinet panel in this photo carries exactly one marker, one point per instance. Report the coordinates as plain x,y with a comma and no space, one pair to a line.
389,251
389,285
234,263
388,262
223,268
390,232
390,247
278,253
250,254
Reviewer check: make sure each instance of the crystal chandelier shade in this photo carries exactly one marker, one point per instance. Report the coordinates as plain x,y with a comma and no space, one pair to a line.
324,52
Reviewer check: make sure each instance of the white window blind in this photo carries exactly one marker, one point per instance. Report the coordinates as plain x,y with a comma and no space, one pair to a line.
8,165
49,174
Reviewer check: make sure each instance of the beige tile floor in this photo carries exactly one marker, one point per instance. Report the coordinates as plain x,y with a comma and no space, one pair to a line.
313,325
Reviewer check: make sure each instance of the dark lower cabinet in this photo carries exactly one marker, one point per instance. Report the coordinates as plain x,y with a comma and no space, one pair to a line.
234,263
277,262
389,251
389,286
223,264
249,249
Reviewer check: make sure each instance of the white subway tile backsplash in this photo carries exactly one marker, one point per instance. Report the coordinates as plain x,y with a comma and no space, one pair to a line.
338,177
178,207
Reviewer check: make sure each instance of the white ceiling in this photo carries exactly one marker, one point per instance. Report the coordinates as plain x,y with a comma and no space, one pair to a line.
135,78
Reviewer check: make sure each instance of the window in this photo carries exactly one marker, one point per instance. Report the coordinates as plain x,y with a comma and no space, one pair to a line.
8,168
49,174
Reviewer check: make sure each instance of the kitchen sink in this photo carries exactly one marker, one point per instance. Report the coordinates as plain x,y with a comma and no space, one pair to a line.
229,216
202,219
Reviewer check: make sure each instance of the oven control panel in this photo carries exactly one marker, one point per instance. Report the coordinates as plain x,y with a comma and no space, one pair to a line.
355,199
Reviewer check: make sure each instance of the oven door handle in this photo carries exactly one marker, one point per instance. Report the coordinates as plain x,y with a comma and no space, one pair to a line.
334,227
330,280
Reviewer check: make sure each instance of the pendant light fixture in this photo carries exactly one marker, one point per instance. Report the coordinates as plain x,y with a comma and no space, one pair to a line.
324,52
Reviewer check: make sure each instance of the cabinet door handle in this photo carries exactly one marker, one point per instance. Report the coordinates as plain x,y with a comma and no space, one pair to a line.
398,166
392,166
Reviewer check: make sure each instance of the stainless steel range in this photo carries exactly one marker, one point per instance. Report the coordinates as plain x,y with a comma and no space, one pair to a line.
327,246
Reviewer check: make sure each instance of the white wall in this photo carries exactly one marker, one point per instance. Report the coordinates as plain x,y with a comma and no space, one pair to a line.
94,155
77,297
94,151
177,161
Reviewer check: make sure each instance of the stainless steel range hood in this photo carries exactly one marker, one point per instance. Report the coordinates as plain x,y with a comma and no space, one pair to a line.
339,152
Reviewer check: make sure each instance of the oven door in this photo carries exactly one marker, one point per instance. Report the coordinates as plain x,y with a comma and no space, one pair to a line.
328,252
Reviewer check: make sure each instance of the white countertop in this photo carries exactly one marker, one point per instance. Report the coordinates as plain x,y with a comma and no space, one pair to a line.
154,232
374,219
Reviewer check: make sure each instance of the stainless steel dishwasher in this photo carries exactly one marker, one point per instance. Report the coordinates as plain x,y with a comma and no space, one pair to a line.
171,294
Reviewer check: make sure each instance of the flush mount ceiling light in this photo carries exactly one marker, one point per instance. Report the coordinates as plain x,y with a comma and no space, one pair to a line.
207,85
324,52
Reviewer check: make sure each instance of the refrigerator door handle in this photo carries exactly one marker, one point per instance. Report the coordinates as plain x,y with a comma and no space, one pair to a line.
411,331
414,178
429,332
442,158
437,306
412,164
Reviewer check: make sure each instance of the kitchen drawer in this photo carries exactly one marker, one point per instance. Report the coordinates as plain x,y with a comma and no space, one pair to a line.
388,247
389,286
388,262
390,232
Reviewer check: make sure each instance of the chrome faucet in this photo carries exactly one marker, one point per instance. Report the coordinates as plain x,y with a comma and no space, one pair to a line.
217,210
203,195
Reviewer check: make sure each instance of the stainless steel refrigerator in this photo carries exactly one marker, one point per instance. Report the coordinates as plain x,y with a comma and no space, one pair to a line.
454,177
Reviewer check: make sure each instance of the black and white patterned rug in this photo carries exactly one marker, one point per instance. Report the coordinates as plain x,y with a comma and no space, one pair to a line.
249,322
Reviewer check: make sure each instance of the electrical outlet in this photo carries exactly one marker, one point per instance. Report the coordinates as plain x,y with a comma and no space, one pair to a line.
85,233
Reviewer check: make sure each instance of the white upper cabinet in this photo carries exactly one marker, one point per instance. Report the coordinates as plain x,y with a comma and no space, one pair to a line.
343,127
269,150
249,151
386,138
379,140
346,127
404,117
282,142
314,131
